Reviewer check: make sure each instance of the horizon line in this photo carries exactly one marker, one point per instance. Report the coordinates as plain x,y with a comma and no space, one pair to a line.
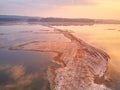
59,17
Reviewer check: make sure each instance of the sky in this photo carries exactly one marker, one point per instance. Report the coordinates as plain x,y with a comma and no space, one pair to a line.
98,9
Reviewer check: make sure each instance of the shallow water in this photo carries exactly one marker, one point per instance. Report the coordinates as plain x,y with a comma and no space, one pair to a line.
32,65
24,70
105,37
26,67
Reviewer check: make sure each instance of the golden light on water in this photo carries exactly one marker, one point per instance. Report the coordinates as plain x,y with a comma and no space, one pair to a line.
101,37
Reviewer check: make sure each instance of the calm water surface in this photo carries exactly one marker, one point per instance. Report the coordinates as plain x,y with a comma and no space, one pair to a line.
26,70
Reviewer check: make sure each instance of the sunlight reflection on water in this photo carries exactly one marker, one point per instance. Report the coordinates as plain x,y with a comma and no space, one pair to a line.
106,37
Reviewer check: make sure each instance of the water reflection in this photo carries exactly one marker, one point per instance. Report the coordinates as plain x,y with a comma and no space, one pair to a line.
15,78
25,70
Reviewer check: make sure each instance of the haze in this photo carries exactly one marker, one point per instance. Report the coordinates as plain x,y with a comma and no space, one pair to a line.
99,9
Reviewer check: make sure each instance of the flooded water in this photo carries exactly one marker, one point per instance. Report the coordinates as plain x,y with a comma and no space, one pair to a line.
26,70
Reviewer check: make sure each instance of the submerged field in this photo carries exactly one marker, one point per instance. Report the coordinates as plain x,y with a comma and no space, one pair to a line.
27,70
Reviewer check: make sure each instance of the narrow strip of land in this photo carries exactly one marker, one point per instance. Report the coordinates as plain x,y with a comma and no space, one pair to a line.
83,66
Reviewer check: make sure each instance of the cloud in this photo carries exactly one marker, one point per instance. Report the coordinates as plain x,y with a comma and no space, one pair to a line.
25,7
57,8
36,3
63,2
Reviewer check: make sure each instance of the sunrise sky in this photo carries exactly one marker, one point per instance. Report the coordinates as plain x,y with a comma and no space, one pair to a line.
99,9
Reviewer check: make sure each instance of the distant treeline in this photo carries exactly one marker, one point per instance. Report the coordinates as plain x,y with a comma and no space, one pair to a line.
62,20
39,19
52,20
